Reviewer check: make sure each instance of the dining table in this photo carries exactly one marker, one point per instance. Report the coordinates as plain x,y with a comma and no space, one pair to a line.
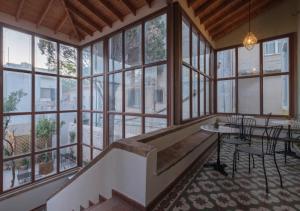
219,129
287,123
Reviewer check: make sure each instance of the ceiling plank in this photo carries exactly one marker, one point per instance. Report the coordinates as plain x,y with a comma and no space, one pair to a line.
191,2
129,6
112,9
233,15
214,7
43,15
84,17
204,7
70,18
96,12
83,27
20,8
149,2
258,9
61,23
218,15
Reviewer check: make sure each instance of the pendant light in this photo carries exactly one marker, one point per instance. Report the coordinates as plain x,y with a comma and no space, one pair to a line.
250,40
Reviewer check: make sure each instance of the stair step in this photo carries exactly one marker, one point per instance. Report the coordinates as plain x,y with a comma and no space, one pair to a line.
112,204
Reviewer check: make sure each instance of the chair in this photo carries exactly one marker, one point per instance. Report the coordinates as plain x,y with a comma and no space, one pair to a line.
293,137
265,150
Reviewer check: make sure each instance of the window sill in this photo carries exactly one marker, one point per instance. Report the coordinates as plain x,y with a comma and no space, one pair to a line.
16,191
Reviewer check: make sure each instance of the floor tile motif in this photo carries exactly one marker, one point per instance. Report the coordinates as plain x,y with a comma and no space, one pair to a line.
206,189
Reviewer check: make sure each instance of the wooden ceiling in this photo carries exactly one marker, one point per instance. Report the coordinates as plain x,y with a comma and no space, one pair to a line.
76,18
221,17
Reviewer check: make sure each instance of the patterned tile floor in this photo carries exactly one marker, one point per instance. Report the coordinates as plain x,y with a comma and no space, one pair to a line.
206,189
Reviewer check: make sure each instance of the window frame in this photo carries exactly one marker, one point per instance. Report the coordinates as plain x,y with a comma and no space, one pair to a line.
261,75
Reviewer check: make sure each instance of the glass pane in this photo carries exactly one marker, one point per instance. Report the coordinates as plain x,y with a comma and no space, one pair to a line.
16,173
195,94
115,52
276,98
67,60
68,158
115,128
194,49
86,94
133,126
45,164
226,63
276,56
86,61
202,54
115,92
185,92
98,63
226,96
17,135
153,124
133,91
86,128
156,39
68,128
207,84
207,60
185,42
96,152
45,131
45,56
156,89
17,92
201,95
98,130
16,49
68,94
248,61
45,93
248,98
133,46
98,93
86,155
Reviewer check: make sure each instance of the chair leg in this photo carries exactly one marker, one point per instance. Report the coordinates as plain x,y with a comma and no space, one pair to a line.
233,163
278,171
249,168
253,161
285,151
266,179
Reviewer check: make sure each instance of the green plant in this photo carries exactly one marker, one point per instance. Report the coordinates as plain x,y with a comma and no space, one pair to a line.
45,128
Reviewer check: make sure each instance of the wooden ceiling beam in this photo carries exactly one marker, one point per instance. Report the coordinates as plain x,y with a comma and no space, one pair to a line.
19,10
129,6
70,18
257,9
61,23
96,12
84,17
219,14
233,15
207,9
112,9
43,15
82,27
216,7
191,2
149,2
199,10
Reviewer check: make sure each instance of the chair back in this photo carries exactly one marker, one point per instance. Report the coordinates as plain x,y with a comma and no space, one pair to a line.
267,119
295,129
234,120
274,133
247,128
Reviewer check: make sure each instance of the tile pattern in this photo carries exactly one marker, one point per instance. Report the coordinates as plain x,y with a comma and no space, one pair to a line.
206,189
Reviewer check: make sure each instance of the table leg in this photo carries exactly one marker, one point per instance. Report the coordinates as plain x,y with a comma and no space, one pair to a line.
218,166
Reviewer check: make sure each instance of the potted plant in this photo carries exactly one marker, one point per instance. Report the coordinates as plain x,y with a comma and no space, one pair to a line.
44,131
46,163
72,135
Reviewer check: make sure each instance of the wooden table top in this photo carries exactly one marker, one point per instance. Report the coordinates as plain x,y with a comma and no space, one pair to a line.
220,129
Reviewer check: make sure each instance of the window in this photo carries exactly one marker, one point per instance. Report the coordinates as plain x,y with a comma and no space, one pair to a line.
115,52
196,75
16,49
115,92
156,39
133,46
47,130
133,91
98,60
86,61
263,80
